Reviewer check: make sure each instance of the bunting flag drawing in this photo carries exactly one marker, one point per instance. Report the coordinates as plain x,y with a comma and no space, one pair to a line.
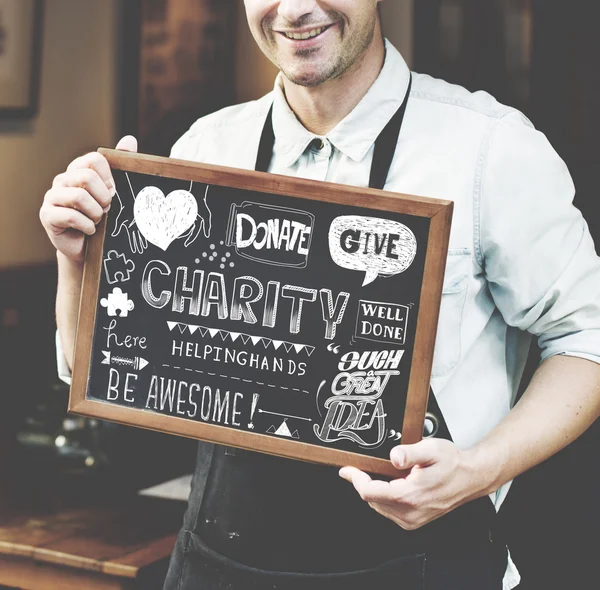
245,338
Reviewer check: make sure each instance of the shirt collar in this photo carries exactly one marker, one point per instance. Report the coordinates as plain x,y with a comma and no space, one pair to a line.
357,132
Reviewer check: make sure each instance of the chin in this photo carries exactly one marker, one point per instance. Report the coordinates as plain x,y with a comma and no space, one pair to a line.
309,77
307,81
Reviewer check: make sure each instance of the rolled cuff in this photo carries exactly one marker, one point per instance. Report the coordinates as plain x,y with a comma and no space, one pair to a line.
584,344
64,373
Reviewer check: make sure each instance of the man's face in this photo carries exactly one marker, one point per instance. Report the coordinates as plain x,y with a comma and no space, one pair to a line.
313,41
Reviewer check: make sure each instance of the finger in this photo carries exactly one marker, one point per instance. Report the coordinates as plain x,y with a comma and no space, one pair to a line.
97,162
60,219
76,198
407,456
370,490
384,510
87,179
134,239
352,474
127,144
140,242
131,239
406,519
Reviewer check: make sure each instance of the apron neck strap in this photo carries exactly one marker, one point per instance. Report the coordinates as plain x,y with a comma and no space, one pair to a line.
385,145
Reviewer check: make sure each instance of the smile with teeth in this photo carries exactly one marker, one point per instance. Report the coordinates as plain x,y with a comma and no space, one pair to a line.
306,34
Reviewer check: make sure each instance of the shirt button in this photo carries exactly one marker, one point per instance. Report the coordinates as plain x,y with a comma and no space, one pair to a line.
318,143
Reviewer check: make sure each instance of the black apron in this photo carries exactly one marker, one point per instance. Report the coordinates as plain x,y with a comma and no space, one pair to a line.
288,516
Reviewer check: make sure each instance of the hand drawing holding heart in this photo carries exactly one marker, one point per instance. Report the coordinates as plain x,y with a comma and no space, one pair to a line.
163,219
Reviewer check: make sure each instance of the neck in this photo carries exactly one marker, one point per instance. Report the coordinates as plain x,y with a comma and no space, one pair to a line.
322,107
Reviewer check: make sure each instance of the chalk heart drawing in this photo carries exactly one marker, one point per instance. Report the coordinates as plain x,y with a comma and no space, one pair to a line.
375,246
160,219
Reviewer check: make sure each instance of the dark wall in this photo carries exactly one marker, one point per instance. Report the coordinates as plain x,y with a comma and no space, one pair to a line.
27,329
552,514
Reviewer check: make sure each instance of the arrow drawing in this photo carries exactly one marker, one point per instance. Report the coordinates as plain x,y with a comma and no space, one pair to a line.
283,415
136,363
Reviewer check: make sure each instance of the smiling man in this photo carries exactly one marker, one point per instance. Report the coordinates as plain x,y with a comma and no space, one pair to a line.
347,109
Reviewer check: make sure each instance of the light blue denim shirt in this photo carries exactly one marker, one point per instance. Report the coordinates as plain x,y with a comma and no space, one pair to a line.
521,258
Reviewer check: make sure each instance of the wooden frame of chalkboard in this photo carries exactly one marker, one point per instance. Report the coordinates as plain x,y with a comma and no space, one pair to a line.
325,358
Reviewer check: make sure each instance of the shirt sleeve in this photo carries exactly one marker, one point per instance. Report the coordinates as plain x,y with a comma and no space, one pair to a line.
535,247
180,148
64,373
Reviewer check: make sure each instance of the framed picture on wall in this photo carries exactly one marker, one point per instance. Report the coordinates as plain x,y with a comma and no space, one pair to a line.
20,54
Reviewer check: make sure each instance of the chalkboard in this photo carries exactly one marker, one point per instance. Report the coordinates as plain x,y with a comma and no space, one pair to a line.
287,316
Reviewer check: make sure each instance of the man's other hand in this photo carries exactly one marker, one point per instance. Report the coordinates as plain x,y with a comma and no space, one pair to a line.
435,477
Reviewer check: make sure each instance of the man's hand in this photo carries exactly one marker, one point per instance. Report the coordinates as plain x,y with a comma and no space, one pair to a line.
72,208
437,477
78,199
561,401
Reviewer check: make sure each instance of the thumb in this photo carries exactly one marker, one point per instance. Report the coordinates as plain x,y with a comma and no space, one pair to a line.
408,456
128,144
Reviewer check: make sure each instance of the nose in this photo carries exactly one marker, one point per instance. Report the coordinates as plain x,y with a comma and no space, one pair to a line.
293,10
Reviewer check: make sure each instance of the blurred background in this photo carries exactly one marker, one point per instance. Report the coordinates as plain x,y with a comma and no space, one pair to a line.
78,74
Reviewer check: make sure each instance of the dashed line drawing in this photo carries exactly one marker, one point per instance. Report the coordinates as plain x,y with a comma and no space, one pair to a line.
236,378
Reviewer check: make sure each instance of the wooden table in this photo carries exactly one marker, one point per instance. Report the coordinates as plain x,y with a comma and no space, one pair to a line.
94,548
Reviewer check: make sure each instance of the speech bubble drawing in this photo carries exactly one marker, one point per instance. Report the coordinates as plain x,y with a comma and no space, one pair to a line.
373,245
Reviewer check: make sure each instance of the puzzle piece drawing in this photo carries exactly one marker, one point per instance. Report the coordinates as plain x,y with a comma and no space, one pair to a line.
117,300
117,267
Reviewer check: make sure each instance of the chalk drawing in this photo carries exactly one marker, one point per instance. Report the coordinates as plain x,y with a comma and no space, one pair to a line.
137,363
117,267
117,301
375,246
